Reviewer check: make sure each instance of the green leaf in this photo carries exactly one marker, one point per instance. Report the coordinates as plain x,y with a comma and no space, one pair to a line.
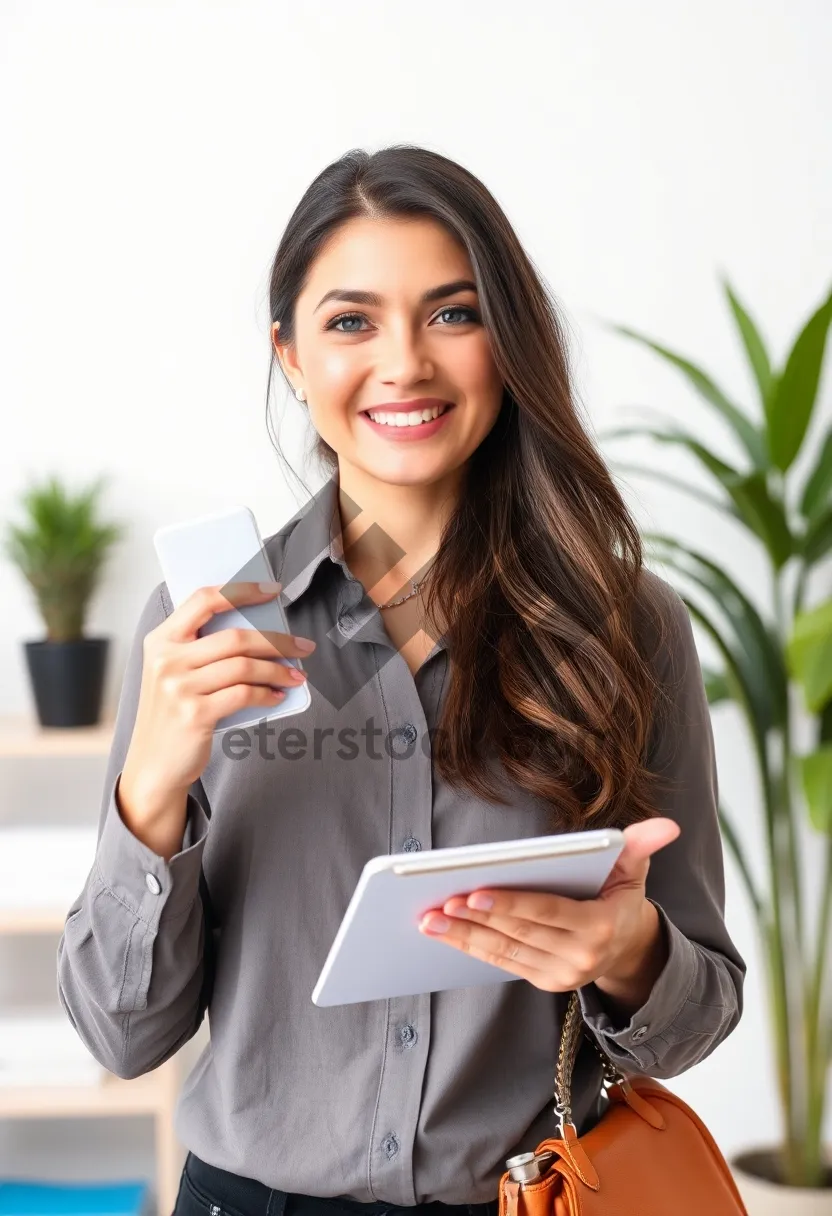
790,404
809,655
741,691
61,551
817,540
752,439
753,343
816,775
819,483
716,686
824,724
731,838
676,483
762,514
755,652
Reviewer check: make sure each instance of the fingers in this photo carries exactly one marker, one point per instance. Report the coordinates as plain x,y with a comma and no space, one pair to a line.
652,834
184,622
536,907
643,839
240,696
489,944
544,938
242,669
233,665
257,643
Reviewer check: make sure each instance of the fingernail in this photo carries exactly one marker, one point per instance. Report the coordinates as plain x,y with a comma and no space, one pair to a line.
436,924
270,588
481,902
304,644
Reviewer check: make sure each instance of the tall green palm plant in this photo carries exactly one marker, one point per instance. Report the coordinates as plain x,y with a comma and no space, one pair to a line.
769,654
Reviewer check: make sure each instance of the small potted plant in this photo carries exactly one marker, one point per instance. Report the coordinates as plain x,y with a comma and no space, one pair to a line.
60,551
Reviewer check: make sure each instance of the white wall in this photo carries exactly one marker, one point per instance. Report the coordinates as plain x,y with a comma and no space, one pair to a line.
153,153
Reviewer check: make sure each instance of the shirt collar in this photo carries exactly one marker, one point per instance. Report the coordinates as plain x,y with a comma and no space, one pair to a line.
314,536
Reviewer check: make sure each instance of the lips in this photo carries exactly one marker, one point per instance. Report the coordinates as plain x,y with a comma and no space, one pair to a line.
408,433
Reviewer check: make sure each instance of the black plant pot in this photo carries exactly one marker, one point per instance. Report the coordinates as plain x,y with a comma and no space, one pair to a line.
68,680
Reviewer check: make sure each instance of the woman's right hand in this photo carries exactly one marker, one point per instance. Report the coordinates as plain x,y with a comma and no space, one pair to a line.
190,682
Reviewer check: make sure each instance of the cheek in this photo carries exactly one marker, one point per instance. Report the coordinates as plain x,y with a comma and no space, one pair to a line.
335,381
335,368
476,372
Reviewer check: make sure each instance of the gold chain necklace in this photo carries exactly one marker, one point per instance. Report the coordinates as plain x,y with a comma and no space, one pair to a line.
409,595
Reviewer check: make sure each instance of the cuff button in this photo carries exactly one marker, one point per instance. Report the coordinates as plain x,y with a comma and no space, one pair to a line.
639,1034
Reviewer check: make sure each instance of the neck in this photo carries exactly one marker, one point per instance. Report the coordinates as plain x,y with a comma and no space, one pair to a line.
397,532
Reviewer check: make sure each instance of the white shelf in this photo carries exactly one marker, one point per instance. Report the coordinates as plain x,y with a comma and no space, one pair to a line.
21,735
113,1096
60,857
32,920
155,1093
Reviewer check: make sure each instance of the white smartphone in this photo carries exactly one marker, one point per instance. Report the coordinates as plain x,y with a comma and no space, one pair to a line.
226,548
379,952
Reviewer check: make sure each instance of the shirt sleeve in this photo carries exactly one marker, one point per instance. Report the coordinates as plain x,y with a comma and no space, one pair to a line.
130,958
697,1000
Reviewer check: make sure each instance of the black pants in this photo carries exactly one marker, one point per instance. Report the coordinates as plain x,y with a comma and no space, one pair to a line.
205,1190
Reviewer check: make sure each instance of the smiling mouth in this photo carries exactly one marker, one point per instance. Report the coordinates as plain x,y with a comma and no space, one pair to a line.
405,426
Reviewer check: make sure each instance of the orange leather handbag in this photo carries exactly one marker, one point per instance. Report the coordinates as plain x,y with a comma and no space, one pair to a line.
648,1155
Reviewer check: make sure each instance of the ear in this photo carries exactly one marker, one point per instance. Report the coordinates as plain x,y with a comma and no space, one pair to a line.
286,356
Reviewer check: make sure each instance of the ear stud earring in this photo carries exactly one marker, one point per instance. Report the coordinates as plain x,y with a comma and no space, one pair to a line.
300,394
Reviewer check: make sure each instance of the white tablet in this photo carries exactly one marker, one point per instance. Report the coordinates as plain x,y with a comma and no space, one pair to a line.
379,952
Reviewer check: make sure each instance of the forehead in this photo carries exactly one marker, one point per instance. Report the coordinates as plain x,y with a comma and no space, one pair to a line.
386,255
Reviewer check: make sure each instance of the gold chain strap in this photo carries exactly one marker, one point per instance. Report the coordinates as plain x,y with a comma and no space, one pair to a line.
574,1029
527,1167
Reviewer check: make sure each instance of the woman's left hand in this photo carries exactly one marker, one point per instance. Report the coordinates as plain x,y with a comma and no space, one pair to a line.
557,943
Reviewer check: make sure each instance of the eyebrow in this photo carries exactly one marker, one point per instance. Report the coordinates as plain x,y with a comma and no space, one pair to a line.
353,295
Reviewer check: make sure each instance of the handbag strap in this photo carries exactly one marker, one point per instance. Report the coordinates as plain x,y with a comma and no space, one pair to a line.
575,1029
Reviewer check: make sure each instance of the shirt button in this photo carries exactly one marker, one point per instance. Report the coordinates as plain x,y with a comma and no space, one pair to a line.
407,1035
390,1145
639,1034
153,883
409,732
412,845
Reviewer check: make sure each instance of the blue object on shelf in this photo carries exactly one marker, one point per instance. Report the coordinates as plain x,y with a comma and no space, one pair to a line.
22,1198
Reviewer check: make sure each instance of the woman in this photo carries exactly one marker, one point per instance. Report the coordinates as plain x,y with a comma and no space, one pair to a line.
472,592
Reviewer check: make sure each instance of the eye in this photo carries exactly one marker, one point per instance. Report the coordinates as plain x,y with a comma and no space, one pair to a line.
344,316
470,314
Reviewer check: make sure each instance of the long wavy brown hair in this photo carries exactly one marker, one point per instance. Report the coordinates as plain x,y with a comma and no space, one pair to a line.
538,575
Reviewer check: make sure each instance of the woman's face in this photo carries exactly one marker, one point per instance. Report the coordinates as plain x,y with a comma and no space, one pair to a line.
351,353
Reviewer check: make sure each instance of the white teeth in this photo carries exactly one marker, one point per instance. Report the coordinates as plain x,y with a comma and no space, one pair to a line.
413,418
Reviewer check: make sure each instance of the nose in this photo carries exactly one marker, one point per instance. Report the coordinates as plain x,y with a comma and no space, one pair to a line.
403,358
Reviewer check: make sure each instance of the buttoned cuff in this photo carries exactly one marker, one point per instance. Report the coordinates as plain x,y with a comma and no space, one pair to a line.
151,887
641,1043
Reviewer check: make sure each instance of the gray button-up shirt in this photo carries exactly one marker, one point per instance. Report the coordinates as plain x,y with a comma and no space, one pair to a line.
407,1100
